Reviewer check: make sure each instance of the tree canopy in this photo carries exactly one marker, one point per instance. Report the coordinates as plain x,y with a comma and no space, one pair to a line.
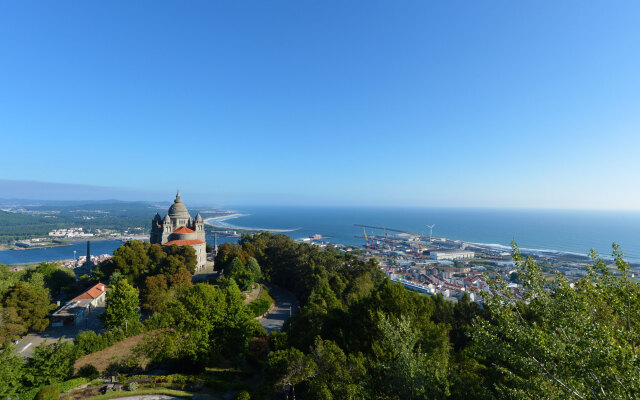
121,306
136,260
24,307
564,340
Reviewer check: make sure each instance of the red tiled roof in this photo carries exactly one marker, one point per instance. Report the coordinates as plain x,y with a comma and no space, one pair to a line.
92,293
185,242
184,229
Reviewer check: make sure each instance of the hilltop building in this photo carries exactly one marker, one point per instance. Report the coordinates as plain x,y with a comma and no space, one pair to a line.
177,227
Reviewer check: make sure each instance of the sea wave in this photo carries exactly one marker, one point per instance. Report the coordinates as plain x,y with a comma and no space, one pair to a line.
532,251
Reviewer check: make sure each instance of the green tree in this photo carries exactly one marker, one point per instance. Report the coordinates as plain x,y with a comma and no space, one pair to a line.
406,370
51,363
121,305
563,341
227,252
56,277
11,372
154,293
203,324
24,305
240,273
131,260
238,326
287,368
11,325
179,257
9,278
336,376
253,270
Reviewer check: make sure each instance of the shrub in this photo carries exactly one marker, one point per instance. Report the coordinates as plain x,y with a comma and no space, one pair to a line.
89,371
132,386
87,342
72,384
262,304
259,307
50,392
243,395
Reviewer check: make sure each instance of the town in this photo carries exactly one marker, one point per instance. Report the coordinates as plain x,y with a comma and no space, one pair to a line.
452,268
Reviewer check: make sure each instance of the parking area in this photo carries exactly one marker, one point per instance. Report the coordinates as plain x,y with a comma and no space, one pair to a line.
29,342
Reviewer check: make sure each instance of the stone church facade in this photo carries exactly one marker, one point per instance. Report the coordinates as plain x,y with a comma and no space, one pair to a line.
177,227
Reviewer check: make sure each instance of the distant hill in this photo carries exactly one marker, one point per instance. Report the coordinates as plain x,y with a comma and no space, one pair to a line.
23,219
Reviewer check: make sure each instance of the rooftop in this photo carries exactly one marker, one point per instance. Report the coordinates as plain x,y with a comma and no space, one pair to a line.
184,229
93,293
185,242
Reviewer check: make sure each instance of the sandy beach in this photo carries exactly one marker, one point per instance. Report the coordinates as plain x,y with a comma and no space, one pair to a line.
219,223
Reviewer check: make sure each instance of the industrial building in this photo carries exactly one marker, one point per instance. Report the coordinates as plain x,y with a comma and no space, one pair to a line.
452,255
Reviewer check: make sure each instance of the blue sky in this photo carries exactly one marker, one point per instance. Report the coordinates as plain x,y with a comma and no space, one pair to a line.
456,103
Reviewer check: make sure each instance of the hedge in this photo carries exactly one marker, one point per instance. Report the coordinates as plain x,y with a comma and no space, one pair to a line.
262,304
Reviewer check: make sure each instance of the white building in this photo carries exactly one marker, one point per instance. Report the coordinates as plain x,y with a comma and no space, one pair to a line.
452,255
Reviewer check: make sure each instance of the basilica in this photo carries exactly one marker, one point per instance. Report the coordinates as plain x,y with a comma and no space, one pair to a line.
177,227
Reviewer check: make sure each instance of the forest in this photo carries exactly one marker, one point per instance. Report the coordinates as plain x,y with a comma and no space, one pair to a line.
39,220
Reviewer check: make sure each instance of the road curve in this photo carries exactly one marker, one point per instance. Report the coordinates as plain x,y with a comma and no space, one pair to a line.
285,306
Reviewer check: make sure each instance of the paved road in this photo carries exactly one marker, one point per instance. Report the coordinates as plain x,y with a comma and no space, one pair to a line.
52,334
285,306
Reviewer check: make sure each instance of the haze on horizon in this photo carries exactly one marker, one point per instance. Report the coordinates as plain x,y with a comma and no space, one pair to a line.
464,104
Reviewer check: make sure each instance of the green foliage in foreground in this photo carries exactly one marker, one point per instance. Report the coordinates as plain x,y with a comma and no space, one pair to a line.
51,363
203,324
11,372
359,336
560,341
564,341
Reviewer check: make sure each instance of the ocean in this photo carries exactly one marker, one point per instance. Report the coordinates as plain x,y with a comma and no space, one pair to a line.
550,230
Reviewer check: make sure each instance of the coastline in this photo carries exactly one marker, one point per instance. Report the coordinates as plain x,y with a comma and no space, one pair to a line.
219,223
67,243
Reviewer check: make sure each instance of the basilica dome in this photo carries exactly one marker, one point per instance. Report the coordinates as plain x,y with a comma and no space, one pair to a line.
178,209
